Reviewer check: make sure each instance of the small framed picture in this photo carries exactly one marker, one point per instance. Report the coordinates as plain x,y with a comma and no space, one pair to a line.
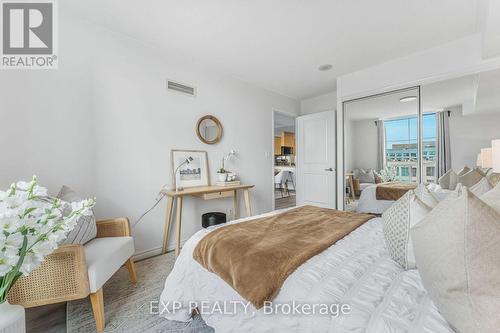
190,168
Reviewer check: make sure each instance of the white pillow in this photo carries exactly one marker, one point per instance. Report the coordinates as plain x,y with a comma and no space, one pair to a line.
449,180
426,196
471,178
457,250
397,221
492,196
481,187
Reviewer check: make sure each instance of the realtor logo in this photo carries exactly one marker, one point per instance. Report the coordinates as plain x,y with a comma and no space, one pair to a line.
29,39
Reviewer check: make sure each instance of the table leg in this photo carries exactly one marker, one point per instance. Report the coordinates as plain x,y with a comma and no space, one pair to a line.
178,221
236,206
351,184
246,193
168,222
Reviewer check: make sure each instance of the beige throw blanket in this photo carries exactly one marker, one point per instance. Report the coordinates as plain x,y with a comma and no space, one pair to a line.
393,190
257,256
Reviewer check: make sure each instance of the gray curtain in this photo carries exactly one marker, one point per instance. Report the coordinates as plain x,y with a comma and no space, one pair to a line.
443,151
380,144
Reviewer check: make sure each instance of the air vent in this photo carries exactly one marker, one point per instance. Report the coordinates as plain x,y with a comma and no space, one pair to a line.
182,88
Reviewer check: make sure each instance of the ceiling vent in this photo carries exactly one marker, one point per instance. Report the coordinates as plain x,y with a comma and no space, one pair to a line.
182,88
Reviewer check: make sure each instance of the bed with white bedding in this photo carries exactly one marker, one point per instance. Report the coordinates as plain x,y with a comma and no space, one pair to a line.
368,202
357,271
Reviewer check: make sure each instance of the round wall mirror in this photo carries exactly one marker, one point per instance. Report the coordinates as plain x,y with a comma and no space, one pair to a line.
209,129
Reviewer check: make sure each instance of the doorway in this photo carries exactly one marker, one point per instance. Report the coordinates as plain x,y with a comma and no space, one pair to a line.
284,157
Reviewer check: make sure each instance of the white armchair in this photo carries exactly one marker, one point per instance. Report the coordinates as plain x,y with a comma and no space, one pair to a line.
76,271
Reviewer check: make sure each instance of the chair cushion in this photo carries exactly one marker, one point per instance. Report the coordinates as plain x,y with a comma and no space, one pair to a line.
104,257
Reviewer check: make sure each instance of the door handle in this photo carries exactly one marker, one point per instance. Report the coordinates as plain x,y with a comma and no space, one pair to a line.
329,169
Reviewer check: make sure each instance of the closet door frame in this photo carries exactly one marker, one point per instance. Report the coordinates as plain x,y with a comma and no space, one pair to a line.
420,162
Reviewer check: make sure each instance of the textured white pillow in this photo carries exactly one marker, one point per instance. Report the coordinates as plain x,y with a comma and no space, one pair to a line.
481,187
449,180
471,178
457,250
397,221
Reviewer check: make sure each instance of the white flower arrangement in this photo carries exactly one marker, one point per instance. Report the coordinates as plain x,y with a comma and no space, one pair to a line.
31,226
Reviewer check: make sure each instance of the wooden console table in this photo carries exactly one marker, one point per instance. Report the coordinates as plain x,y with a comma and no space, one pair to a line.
205,193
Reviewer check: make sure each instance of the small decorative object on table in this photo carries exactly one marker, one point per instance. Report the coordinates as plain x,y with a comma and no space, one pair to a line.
224,175
31,226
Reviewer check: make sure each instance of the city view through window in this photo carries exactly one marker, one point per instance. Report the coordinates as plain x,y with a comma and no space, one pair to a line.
401,147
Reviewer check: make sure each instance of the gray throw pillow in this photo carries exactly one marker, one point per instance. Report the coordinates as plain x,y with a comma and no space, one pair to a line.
457,251
366,176
85,229
471,178
464,170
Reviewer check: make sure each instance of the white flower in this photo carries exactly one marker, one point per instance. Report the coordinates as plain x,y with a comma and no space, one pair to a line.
8,224
30,263
22,185
14,241
28,216
5,267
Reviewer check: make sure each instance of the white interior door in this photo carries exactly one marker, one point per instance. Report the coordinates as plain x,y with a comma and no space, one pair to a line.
316,159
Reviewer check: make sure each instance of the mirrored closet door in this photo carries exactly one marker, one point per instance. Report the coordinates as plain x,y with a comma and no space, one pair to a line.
467,119
381,144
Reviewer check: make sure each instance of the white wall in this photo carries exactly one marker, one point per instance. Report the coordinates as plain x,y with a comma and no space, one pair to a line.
364,149
326,102
470,133
104,124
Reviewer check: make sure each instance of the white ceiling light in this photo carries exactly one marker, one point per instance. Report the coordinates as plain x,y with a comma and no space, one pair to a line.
325,67
407,99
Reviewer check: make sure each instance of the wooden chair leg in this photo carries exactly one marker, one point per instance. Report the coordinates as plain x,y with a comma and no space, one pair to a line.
131,270
97,302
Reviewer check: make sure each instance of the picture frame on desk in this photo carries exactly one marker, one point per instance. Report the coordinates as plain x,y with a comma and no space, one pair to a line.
191,174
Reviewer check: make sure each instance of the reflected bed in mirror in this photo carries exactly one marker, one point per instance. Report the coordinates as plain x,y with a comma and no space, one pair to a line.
381,146
209,129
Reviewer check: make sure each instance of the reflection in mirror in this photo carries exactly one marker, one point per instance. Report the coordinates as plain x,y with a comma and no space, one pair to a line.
381,146
209,129
467,118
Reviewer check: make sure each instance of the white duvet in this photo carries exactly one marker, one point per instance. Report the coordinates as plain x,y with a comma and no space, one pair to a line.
356,271
368,202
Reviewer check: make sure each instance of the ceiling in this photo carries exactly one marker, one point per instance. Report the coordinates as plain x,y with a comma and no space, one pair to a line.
474,94
278,44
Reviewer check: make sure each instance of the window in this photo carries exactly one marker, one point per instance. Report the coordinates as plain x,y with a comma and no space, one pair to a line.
401,147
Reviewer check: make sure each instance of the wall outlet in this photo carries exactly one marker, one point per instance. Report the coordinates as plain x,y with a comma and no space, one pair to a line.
230,214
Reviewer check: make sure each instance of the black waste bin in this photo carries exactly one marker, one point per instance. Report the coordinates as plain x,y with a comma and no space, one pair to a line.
214,218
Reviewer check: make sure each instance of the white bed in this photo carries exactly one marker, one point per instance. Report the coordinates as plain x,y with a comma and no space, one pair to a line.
357,270
368,202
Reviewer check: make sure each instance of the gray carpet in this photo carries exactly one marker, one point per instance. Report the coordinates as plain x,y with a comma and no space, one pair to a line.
127,306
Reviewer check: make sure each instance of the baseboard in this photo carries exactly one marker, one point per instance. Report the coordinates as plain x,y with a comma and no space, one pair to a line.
154,251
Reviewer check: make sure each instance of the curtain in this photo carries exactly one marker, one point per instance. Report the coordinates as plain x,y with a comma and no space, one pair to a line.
443,151
380,144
